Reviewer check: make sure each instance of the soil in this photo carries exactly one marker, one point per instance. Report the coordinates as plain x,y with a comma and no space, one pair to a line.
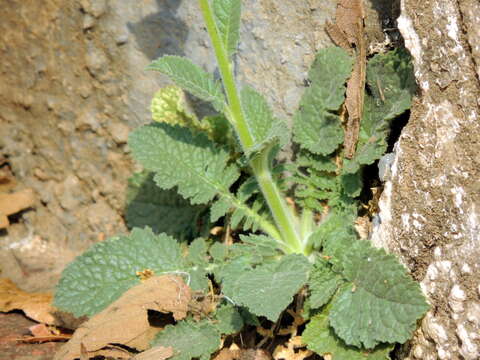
14,326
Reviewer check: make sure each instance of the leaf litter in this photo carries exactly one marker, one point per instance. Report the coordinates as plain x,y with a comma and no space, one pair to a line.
348,33
125,321
36,306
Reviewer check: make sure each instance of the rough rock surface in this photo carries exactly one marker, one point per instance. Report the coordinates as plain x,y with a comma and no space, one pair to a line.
430,208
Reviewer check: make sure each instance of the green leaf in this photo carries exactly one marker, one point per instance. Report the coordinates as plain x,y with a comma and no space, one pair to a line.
382,304
103,273
263,126
391,81
191,78
321,339
229,320
227,18
163,210
197,252
218,252
352,184
189,161
197,262
268,289
322,284
317,127
336,235
260,244
189,339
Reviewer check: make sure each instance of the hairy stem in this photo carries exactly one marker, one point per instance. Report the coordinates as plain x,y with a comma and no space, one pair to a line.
282,214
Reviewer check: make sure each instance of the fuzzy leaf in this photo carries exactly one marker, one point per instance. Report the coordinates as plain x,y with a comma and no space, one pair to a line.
382,304
180,158
197,252
316,125
321,339
191,78
268,289
392,83
323,283
229,320
264,127
103,273
190,339
227,19
163,210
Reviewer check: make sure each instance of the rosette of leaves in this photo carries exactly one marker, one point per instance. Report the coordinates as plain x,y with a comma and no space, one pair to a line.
360,300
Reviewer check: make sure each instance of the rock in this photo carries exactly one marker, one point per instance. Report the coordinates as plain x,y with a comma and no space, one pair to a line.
70,192
94,7
429,209
96,61
88,120
119,132
88,22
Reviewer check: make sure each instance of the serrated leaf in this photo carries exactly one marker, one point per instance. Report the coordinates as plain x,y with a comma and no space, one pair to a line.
391,81
260,244
323,283
189,161
218,252
189,339
334,226
321,339
317,127
268,289
352,184
197,252
228,319
197,262
108,269
227,18
382,304
191,78
162,210
263,126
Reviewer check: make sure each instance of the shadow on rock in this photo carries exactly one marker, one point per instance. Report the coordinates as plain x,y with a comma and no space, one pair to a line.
161,33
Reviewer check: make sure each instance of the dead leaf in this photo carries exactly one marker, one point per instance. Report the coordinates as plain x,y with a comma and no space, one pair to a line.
13,203
242,354
43,333
348,31
37,306
40,330
109,352
126,320
292,351
156,353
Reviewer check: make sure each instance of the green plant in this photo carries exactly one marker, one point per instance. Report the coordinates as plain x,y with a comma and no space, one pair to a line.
359,300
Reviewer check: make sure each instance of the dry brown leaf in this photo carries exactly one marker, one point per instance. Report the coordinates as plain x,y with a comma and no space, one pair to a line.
292,351
40,330
37,306
13,203
109,352
126,320
349,31
242,354
156,353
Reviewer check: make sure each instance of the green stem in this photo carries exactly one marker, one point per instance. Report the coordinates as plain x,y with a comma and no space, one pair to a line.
225,67
282,214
